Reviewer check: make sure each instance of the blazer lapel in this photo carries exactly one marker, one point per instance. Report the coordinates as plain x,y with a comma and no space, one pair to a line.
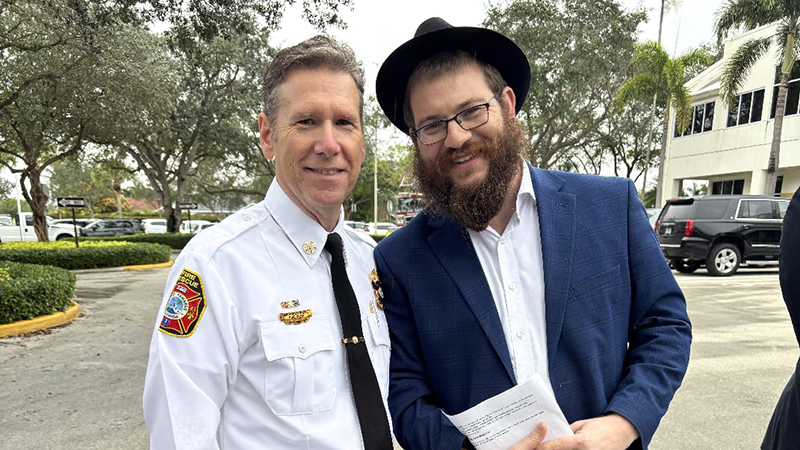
557,228
453,248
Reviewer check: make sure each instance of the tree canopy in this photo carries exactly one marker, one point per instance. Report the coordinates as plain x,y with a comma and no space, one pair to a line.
579,52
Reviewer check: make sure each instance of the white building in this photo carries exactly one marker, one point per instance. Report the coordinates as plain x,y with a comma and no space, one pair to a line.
729,147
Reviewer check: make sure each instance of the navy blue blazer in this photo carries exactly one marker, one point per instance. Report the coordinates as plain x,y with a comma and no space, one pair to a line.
618,334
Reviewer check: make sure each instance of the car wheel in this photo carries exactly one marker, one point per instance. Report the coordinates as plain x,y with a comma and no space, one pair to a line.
685,266
63,237
723,260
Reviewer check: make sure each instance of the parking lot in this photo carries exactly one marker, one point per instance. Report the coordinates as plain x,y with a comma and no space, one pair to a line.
79,387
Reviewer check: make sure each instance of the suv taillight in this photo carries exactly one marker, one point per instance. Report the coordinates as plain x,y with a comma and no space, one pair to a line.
655,226
689,230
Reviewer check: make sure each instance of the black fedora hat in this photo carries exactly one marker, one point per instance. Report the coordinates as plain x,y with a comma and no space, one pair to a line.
434,36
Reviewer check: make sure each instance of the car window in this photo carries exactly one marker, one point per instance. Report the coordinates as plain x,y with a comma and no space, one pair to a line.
678,212
783,205
756,209
713,209
29,221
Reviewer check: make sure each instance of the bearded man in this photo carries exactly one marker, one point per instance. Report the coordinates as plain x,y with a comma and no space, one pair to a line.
515,271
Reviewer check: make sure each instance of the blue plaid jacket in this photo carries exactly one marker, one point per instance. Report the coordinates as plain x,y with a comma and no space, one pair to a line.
618,334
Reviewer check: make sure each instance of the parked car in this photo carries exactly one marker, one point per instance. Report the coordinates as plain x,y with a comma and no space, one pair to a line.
721,232
380,228
110,227
79,222
357,226
151,226
652,215
191,226
203,226
21,229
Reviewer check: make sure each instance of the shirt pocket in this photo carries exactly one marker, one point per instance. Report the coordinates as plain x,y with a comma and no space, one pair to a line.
299,378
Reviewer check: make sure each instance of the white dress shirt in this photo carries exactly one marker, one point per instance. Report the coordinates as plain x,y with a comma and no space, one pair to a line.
246,379
512,263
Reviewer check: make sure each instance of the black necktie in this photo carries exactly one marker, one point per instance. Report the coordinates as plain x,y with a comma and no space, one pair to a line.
367,394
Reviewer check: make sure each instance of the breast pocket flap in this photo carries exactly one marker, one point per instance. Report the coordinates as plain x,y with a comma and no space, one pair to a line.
297,341
596,281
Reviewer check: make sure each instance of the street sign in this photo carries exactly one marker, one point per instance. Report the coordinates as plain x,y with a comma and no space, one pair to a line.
190,205
71,202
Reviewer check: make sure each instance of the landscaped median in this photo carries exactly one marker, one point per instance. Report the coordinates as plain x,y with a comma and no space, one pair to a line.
32,290
175,241
90,254
35,295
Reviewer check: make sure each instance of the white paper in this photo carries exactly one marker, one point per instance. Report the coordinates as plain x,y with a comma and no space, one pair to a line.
505,419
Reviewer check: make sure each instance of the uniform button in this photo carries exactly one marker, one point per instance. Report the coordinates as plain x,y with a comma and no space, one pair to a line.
512,286
520,334
302,348
246,218
502,240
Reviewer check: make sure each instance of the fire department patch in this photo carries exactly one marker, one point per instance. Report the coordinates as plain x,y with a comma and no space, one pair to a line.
185,306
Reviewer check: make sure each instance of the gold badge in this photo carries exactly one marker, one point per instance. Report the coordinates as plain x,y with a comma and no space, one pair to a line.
377,291
290,304
309,247
295,317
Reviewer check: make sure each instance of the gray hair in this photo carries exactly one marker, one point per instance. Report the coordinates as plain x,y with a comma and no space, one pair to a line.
319,52
443,63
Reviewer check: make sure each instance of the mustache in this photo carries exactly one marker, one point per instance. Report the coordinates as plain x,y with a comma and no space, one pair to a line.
471,149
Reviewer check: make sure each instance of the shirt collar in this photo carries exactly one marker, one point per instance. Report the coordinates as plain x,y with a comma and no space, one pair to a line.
526,186
306,234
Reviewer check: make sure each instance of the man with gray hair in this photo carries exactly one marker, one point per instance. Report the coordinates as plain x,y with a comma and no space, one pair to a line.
271,332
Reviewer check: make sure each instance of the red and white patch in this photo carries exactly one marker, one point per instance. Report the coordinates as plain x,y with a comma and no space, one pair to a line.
185,306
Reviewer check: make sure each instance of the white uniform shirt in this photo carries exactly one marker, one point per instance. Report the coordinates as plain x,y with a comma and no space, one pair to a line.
512,263
245,379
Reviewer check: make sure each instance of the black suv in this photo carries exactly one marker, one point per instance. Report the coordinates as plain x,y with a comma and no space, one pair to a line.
720,231
110,227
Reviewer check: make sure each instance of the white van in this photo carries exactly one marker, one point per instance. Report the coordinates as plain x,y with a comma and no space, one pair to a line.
192,226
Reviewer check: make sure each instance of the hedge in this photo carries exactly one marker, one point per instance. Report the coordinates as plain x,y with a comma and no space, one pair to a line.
90,255
30,290
174,240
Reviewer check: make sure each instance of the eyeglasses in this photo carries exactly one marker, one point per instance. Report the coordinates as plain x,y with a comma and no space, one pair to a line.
468,119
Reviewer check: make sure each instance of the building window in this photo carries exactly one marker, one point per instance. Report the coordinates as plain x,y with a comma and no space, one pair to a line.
727,187
793,97
779,184
702,120
746,108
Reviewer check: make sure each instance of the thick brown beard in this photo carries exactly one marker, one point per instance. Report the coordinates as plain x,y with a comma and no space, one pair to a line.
474,206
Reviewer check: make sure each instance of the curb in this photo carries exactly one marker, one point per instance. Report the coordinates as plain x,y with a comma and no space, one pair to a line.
148,266
120,269
41,322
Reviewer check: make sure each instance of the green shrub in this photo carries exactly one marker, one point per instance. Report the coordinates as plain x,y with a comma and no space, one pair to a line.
173,240
29,290
90,255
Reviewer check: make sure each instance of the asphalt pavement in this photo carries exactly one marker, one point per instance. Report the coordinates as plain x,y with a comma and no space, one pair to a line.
79,386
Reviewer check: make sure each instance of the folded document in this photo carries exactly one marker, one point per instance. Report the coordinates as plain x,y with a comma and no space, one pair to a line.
500,422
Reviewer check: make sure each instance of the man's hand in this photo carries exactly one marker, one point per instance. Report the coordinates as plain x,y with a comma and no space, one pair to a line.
611,432
532,440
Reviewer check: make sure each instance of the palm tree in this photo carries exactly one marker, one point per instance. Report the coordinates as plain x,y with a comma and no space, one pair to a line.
749,14
655,73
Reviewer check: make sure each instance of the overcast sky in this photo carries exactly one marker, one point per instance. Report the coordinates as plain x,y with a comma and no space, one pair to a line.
377,27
